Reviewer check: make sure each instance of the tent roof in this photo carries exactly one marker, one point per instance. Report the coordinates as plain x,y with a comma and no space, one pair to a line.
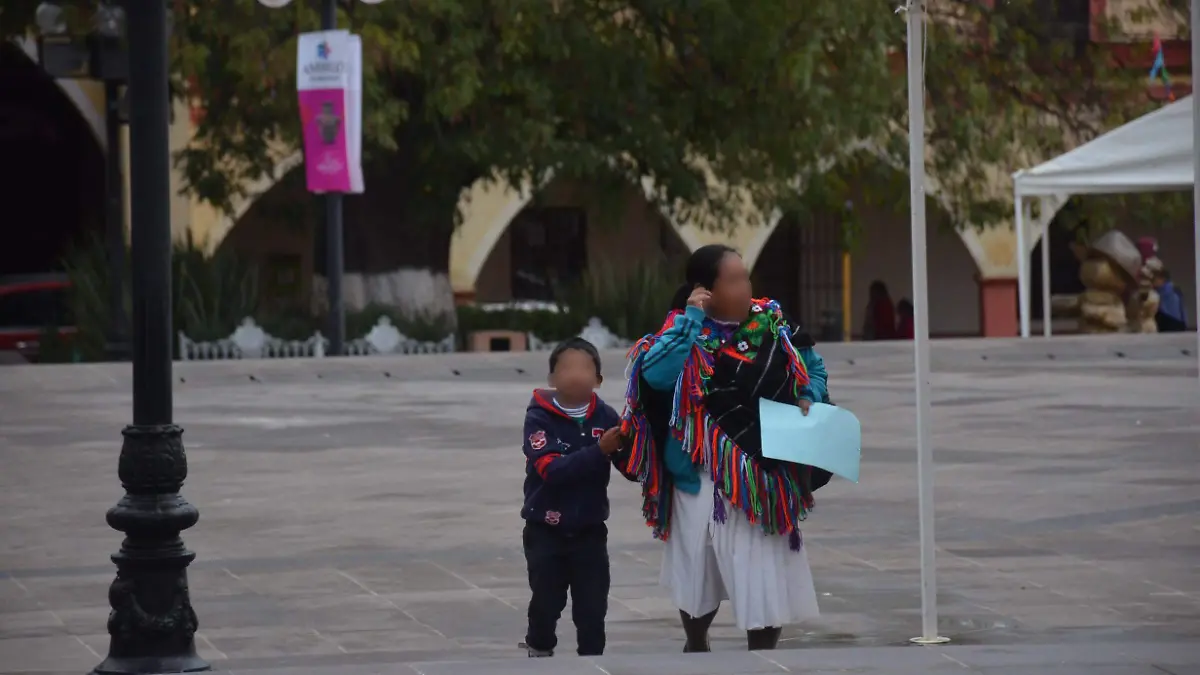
1153,152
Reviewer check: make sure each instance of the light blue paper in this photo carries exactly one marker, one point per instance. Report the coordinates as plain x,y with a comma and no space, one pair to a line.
828,437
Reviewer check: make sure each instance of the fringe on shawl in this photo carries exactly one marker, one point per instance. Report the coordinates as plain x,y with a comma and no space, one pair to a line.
777,499
644,459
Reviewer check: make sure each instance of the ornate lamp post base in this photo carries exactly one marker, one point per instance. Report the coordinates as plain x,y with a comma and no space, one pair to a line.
152,626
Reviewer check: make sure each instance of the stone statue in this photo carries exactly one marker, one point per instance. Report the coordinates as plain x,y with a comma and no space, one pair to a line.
1143,302
1119,296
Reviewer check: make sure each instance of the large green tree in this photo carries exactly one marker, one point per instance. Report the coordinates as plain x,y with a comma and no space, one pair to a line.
768,92
1013,83
1010,84
609,90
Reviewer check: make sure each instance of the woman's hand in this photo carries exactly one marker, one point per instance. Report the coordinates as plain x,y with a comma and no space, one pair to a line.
804,406
699,298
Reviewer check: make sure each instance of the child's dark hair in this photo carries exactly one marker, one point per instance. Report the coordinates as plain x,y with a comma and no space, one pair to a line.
579,344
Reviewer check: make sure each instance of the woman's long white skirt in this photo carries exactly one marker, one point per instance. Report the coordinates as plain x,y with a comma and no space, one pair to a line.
706,562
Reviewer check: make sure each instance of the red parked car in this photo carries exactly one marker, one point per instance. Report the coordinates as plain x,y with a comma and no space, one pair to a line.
29,305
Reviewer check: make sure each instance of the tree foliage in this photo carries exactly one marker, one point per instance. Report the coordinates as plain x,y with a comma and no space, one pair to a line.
766,92
1012,84
458,90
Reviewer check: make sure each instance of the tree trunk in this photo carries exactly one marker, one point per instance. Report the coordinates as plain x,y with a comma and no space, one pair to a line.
397,245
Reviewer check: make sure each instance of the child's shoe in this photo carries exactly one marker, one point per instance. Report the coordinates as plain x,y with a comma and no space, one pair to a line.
538,653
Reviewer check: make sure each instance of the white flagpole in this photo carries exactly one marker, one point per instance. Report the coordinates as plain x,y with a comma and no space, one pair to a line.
1046,323
1022,260
916,171
1196,160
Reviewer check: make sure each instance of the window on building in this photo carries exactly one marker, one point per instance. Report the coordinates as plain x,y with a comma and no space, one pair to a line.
801,268
549,251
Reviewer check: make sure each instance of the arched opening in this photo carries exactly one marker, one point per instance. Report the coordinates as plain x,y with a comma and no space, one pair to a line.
568,228
279,235
52,175
862,209
801,267
1065,230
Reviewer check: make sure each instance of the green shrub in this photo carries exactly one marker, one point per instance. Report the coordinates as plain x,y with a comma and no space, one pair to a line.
295,323
545,324
630,302
87,269
426,328
210,294
53,347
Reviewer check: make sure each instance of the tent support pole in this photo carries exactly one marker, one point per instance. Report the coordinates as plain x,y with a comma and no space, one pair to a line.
1022,261
916,198
1196,160
1046,330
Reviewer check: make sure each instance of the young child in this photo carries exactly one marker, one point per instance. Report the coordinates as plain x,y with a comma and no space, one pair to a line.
571,437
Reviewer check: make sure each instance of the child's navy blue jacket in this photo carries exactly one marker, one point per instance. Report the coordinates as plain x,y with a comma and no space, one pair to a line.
566,475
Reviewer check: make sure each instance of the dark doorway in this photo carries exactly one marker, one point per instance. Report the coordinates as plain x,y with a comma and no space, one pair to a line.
51,170
1066,229
549,251
801,267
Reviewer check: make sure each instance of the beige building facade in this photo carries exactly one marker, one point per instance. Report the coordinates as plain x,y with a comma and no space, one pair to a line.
972,272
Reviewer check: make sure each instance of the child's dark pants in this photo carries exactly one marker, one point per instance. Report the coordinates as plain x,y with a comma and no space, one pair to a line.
559,561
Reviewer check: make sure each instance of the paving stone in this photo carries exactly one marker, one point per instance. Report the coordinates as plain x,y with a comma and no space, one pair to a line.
27,655
355,520
689,664
1073,670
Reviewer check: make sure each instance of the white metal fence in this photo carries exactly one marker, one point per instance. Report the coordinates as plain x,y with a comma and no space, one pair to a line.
250,341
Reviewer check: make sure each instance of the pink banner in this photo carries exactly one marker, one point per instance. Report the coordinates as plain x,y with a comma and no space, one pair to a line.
327,161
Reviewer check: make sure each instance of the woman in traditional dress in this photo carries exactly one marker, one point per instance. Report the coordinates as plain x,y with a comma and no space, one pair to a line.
729,516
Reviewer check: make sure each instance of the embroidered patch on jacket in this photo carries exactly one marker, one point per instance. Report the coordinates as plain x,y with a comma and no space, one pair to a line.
537,440
552,517
597,432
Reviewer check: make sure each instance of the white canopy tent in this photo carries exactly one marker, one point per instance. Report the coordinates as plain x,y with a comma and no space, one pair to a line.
1151,153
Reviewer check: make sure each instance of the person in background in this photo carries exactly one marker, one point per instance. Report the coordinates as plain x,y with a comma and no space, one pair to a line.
1148,247
880,320
1170,317
904,322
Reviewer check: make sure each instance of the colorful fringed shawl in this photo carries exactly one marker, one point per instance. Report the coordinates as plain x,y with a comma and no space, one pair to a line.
775,495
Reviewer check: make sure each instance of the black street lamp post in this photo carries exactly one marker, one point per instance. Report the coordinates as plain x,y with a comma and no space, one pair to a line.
152,625
99,55
334,238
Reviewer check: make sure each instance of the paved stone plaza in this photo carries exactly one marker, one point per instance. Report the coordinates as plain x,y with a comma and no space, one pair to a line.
360,516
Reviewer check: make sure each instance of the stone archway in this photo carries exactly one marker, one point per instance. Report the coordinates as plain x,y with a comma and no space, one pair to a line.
87,96
277,231
213,227
610,230
52,182
802,261
489,209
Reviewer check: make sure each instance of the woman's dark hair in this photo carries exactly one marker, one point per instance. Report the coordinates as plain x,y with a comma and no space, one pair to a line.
879,292
703,266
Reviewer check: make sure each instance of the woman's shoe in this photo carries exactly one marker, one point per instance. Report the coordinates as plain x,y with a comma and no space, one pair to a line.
763,639
695,628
